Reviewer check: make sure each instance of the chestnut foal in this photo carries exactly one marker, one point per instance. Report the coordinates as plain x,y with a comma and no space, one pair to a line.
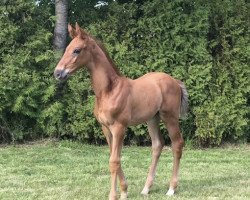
121,102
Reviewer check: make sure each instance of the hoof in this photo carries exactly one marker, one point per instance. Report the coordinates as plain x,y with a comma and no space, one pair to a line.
112,198
145,191
124,195
170,192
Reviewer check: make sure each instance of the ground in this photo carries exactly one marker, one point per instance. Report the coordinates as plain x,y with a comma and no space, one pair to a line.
69,170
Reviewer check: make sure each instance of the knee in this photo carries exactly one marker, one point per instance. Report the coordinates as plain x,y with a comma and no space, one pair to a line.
114,165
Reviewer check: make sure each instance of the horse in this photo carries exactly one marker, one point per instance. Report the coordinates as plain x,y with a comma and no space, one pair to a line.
121,102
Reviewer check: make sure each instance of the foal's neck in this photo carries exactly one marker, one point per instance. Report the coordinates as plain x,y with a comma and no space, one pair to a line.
103,75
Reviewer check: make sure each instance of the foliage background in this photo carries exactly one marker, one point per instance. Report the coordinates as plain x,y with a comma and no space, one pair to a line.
203,43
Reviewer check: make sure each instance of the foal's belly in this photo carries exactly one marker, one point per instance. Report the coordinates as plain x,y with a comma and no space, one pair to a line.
146,100
142,113
139,119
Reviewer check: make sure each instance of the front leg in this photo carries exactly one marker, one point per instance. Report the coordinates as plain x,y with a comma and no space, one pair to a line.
123,182
108,137
117,132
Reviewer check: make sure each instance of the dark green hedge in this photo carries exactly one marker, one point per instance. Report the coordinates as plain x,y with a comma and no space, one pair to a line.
203,43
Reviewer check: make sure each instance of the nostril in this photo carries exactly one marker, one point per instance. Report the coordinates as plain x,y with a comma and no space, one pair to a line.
57,74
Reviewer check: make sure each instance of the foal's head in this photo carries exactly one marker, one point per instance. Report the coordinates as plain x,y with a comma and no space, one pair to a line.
76,55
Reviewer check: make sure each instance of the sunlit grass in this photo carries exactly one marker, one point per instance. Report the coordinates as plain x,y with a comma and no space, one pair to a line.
66,170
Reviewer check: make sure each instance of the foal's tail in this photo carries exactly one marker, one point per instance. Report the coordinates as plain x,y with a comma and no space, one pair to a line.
184,100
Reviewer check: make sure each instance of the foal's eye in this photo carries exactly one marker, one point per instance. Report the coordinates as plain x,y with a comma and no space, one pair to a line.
77,51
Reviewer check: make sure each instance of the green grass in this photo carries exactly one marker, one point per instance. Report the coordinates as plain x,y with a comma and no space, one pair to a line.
66,170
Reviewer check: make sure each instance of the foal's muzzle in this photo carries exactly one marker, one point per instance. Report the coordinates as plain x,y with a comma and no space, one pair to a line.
61,74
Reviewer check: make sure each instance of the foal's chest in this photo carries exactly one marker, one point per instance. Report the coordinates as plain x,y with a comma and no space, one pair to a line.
104,113
104,118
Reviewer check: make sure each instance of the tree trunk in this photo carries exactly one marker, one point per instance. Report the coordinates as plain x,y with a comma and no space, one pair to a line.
60,32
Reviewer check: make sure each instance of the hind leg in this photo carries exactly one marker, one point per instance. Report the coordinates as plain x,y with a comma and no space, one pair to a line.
172,124
157,145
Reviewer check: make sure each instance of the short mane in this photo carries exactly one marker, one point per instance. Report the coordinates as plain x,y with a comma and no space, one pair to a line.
100,44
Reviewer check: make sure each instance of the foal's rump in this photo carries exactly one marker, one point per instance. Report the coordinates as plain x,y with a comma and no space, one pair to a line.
156,92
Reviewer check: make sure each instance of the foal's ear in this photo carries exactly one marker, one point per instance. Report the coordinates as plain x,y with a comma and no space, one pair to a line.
80,32
72,31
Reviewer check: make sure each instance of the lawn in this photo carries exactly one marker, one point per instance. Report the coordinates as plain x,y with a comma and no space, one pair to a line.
68,170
